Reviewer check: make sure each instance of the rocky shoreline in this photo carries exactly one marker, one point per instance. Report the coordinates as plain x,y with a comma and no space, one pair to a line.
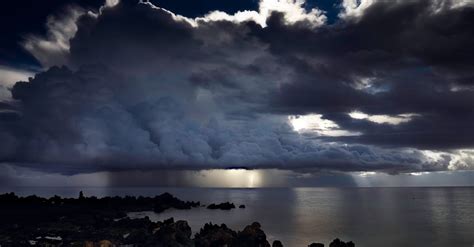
92,221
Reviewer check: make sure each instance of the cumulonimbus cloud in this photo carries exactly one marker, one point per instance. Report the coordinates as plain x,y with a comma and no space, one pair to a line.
150,89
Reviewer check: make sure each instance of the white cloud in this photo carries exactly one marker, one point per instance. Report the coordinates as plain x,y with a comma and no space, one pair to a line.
418,173
314,123
462,3
462,160
111,3
383,119
441,5
366,174
354,8
54,48
293,11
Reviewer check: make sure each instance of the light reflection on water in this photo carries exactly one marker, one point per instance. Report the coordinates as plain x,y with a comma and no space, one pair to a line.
368,216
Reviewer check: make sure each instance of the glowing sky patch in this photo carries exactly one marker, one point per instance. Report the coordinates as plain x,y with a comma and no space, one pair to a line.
314,123
383,119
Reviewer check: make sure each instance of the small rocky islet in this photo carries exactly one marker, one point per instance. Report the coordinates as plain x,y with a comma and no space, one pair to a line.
103,222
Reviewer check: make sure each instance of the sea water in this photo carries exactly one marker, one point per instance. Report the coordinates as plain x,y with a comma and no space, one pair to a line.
398,217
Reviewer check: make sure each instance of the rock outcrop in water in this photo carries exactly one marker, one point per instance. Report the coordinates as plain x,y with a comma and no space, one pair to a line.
222,206
31,209
90,221
338,243
335,243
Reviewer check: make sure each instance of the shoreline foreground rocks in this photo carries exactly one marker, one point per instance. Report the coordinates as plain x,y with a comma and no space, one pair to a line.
91,222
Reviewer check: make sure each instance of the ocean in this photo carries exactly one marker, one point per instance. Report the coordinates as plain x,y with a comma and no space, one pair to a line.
371,217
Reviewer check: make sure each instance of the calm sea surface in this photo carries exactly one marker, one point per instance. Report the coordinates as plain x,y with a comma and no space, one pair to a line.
401,217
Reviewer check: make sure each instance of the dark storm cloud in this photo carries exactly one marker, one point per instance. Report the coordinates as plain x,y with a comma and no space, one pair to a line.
137,32
417,60
94,116
21,18
145,88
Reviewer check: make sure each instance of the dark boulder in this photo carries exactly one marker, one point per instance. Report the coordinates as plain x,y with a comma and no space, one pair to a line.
316,245
213,236
174,234
252,235
166,201
242,206
338,243
277,243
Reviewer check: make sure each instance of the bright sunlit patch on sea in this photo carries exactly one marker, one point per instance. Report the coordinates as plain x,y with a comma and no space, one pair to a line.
314,123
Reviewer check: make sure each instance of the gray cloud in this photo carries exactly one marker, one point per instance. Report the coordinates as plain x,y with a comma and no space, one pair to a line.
8,77
91,120
412,57
148,89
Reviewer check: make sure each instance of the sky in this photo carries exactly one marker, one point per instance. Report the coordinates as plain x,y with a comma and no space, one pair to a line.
306,92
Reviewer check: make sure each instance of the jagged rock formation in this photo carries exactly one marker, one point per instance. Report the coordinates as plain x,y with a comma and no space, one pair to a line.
90,221
338,243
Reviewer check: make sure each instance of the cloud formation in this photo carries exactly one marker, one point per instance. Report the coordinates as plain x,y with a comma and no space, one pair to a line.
144,88
8,77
